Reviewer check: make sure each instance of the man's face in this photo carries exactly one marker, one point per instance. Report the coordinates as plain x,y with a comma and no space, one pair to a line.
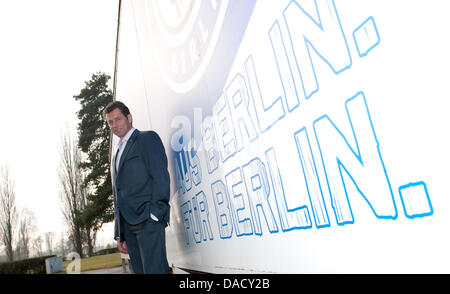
119,123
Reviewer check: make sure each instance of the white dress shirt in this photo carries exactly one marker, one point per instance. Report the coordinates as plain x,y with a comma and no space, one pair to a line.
121,146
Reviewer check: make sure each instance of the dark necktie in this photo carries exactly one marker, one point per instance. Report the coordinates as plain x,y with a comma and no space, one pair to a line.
117,155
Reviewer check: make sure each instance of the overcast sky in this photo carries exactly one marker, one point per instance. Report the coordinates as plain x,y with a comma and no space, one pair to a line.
48,49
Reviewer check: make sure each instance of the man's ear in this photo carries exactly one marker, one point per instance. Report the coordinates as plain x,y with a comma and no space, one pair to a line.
130,118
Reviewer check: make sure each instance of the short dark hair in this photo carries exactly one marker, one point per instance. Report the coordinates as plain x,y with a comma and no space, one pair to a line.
116,105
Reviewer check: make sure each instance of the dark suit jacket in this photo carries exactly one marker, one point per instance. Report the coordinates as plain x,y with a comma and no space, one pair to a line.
142,184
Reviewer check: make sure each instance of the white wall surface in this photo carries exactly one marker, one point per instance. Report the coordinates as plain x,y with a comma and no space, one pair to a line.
302,136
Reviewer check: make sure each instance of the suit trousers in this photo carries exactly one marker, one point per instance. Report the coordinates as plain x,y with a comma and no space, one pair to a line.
146,244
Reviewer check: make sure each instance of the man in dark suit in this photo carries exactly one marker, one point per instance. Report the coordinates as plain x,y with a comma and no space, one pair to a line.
141,186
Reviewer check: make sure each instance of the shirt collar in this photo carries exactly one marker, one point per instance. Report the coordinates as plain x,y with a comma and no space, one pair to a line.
127,136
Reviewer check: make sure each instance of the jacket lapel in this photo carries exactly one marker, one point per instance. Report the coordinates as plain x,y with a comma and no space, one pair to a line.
113,167
130,143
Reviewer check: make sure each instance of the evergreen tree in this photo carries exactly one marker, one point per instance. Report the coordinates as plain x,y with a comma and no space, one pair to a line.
94,140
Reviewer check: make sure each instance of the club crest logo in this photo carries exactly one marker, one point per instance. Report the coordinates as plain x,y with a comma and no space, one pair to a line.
184,35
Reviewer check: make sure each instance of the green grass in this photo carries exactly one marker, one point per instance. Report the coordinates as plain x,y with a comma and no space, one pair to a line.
97,262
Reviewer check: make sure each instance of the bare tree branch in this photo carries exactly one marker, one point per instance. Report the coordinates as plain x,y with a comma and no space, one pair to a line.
27,230
8,211
71,180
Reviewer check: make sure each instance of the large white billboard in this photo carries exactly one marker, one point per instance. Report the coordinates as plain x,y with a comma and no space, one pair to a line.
302,136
